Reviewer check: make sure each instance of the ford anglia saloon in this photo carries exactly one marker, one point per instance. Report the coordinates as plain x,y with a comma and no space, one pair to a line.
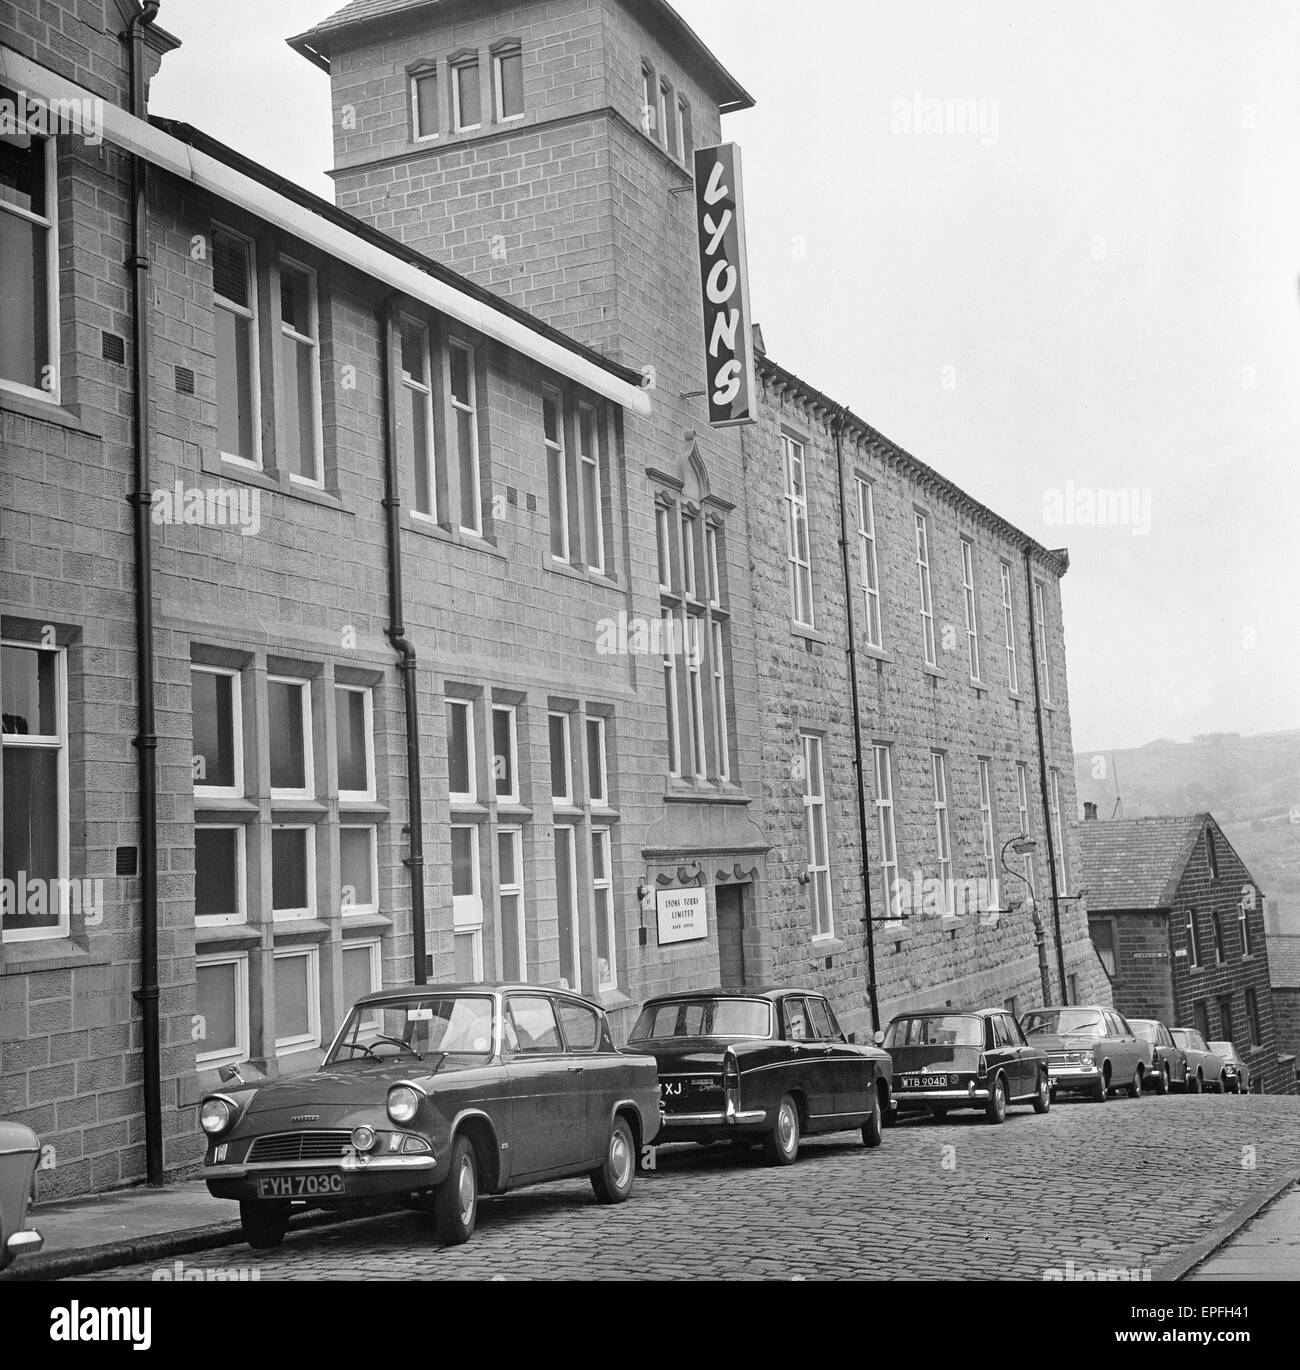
761,1065
433,1095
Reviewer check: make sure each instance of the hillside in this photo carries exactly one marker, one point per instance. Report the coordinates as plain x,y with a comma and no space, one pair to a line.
1251,784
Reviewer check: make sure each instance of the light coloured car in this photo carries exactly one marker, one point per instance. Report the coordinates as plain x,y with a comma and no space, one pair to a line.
1090,1049
1168,1059
1204,1067
1236,1073
19,1151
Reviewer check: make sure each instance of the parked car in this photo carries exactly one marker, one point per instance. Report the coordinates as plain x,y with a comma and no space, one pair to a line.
1090,1049
963,1058
1236,1073
19,1151
1204,1068
1168,1059
765,1065
435,1094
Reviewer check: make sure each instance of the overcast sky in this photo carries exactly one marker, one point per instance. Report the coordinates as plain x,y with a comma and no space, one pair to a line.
1094,288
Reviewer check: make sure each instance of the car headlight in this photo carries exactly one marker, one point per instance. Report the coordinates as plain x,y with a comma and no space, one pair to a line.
403,1103
215,1116
1085,1058
363,1138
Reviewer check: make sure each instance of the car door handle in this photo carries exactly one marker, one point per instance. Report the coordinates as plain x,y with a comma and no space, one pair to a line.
828,1051
575,1070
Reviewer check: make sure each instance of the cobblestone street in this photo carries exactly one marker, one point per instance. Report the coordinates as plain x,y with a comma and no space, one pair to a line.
1129,1185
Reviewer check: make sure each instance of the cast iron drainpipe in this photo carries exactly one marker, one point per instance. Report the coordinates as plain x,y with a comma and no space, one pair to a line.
140,499
1042,774
396,632
849,594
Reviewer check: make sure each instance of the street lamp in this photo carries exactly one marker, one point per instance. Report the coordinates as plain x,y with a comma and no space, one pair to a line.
1022,845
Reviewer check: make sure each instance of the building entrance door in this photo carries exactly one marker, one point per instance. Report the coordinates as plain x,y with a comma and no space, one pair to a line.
731,935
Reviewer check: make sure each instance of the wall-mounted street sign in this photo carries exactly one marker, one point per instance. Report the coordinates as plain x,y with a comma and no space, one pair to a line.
683,915
724,281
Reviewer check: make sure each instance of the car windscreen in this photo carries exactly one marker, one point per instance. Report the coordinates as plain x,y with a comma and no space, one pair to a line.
1063,1022
704,1017
416,1026
1225,1049
941,1030
1148,1032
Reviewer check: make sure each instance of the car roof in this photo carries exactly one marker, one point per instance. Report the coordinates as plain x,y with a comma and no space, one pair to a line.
956,1011
770,992
471,987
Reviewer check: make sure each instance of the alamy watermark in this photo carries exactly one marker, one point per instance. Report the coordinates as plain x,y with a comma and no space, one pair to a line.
931,897
1087,507
211,507
631,635
929,116
179,1271
35,896
23,113
1073,1272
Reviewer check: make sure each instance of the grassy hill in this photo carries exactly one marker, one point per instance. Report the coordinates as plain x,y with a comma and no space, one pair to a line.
1251,784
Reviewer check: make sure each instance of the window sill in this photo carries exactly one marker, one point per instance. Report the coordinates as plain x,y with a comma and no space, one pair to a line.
468,808
828,946
453,537
206,807
365,922
58,415
680,791
602,814
572,572
933,671
979,686
612,999
225,937
285,485
306,929
1020,698
808,633
512,809
877,653
54,953
286,810
361,808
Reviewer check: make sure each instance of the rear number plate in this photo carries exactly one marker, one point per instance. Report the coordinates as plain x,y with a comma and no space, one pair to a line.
298,1186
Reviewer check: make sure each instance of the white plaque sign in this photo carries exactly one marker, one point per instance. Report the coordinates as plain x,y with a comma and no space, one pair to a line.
683,915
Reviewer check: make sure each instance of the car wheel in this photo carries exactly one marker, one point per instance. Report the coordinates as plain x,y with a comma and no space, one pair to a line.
1222,1086
1043,1099
1162,1081
1099,1090
264,1224
889,1118
455,1201
996,1108
612,1179
781,1145
1135,1084
1195,1083
871,1129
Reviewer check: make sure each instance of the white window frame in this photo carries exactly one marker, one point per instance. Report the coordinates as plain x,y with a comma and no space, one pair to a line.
690,585
968,602
605,883
720,720
1193,941
351,910
210,1060
814,804
498,85
1243,924
456,407
249,312
711,568
1009,628
510,712
417,75
662,94
308,755
649,101
886,832
1040,614
465,709
424,389
682,150
564,799
290,393
375,949
575,907
1054,785
589,468
239,915
475,936
467,909
49,221
692,647
595,727
988,831
870,568
1022,804
454,69
942,827
307,1041
556,451
667,627
366,796
57,741
309,856
235,791
925,591
796,512
663,547
515,835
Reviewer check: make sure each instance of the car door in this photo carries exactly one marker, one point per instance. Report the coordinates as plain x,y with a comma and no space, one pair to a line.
848,1070
809,1070
1000,1055
598,1075
1020,1071
1030,1064
546,1085
1122,1058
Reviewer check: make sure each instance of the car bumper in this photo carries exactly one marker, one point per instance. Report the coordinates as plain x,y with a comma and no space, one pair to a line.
26,1242
1073,1077
697,1127
917,1098
363,1178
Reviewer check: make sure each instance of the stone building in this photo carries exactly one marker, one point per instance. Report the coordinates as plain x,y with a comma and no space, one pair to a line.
472,642
1284,975
1178,923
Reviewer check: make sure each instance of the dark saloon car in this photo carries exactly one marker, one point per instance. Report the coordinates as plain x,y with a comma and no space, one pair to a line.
1204,1067
1090,1049
1236,1073
964,1058
1168,1059
436,1094
19,1152
765,1065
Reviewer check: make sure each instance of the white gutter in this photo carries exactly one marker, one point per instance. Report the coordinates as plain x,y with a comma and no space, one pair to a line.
134,135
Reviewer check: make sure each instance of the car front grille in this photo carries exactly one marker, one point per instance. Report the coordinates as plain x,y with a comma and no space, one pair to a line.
301,1146
1062,1058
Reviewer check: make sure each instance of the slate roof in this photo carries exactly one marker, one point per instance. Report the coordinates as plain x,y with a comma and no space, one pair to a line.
1283,960
315,43
1133,863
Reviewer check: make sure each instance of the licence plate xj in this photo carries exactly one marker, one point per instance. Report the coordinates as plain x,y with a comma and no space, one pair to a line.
298,1186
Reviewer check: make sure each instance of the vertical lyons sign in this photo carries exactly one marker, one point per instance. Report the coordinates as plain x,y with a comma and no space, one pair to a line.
724,277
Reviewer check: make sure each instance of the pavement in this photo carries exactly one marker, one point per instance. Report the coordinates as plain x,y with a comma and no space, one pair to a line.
1182,1187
